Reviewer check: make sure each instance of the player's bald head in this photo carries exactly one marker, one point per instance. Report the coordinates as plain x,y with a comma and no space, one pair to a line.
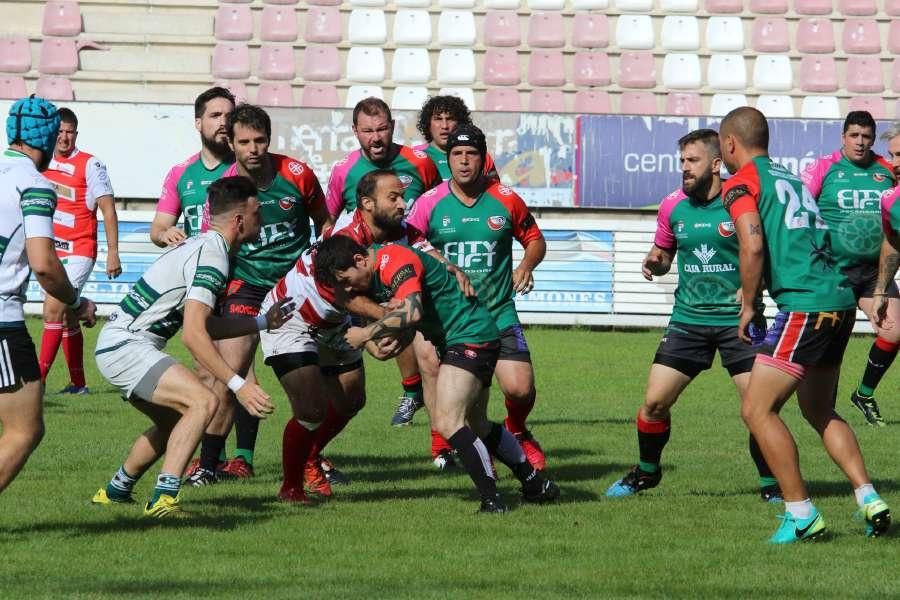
748,126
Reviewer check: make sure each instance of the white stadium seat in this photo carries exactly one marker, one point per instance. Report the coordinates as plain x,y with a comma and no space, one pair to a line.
635,32
681,71
722,104
724,34
820,107
467,95
456,66
365,64
355,93
726,72
412,27
367,26
409,98
411,65
772,73
680,32
775,106
456,28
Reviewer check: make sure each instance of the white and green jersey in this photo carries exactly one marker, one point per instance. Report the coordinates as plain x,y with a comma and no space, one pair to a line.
27,202
195,269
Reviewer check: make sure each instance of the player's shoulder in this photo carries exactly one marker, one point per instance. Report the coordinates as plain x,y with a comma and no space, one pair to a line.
190,160
889,197
421,147
672,199
292,169
345,163
505,194
416,155
826,161
881,163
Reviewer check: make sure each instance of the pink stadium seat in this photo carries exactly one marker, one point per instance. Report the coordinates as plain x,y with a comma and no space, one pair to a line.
15,54
637,70
818,74
861,8
861,36
682,103
231,60
591,30
276,62
873,104
502,99
769,7
59,56
237,88
323,24
813,7
501,28
638,103
61,17
275,94
894,37
282,2
234,22
591,68
724,7
501,67
895,76
546,67
864,75
892,7
12,87
320,96
546,30
551,101
278,24
54,88
770,34
815,36
321,63
591,101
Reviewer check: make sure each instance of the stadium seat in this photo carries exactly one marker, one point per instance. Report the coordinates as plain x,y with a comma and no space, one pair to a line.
456,66
501,28
773,74
546,30
411,65
858,8
546,68
12,87
726,72
413,3
323,25
320,96
820,107
873,104
770,34
818,74
892,8
365,64
633,5
281,2
776,107
59,56
275,94
501,67
412,27
278,24
367,26
864,75
62,18
233,22
681,71
321,63
456,3
408,98
724,7
550,101
637,70
467,95
456,28
592,101
895,76
546,4
722,104
861,36
724,34
355,93
231,60
893,43
276,62
676,6
638,103
769,7
368,3
15,54
680,103
813,7
502,99
680,33
54,88
501,4
815,36
590,30
591,68
324,2
237,88
589,4
635,32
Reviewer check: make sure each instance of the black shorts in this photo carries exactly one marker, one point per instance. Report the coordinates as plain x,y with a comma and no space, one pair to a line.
809,339
242,299
282,364
513,345
18,360
478,359
863,278
691,349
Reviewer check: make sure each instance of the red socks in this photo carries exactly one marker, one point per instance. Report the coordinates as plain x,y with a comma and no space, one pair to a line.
50,340
333,424
296,445
73,348
439,444
517,413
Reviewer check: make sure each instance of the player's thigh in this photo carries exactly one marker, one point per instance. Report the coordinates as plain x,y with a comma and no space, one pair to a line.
238,352
515,377
306,392
816,394
476,415
664,386
891,334
457,388
769,387
163,417
54,310
426,357
179,389
685,348
21,410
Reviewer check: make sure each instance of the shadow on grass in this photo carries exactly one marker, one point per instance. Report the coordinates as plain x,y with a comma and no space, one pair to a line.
843,488
586,471
564,421
137,524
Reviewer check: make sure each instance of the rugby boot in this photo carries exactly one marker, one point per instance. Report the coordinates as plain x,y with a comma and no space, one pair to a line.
315,480
546,491
165,506
532,449
492,505
201,478
793,529
335,477
294,495
635,481
236,468
876,514
104,497
771,494
406,410
444,461
869,408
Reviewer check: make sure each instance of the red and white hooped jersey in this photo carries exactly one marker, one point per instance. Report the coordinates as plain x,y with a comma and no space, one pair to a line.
80,180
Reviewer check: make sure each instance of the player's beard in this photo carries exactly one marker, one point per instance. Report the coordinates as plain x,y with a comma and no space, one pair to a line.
387,222
699,187
219,149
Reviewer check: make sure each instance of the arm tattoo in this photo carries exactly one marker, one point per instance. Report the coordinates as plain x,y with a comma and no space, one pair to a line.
889,266
755,229
398,319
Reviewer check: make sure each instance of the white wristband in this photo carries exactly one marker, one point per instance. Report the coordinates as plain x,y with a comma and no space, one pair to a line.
261,323
236,383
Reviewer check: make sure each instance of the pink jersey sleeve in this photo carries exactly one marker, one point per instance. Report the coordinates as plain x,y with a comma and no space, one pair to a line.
421,147
420,212
888,199
814,174
665,237
334,197
169,201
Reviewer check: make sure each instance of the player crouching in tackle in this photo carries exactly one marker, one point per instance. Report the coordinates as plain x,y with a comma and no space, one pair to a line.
425,296
180,289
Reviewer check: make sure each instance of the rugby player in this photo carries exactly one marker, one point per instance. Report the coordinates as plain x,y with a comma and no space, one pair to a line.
82,185
439,117
847,185
178,291
27,201
693,225
425,296
472,220
785,245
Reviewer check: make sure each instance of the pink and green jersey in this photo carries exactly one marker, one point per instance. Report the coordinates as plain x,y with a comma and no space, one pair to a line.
440,160
184,191
849,199
416,171
890,212
478,239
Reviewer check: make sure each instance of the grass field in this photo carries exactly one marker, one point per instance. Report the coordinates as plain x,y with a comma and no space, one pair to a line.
401,530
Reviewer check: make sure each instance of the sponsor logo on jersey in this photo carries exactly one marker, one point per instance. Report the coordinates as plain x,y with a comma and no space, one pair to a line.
405,180
64,245
679,226
385,259
471,219
190,184
497,222
295,167
878,177
504,191
859,199
431,192
469,353
726,228
420,154
404,273
64,192
287,203
445,221
704,253
840,174
471,255
732,195
67,168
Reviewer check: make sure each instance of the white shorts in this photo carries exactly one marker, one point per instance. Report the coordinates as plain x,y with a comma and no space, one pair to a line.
296,336
130,362
78,270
